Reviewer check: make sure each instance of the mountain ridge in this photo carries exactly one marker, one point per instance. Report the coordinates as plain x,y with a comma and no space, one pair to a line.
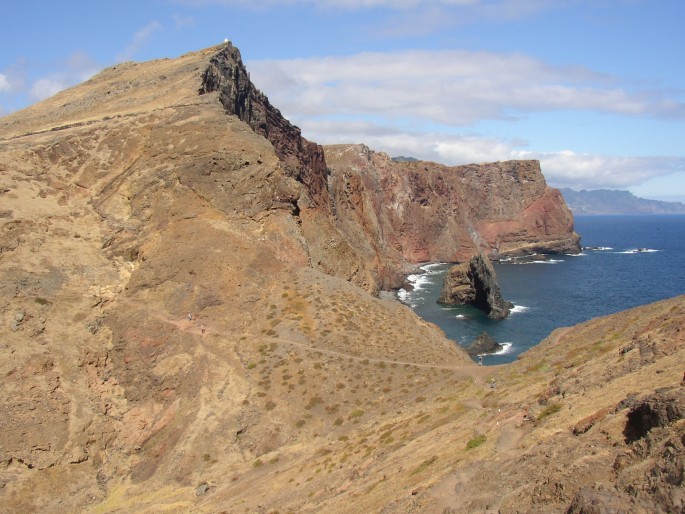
611,201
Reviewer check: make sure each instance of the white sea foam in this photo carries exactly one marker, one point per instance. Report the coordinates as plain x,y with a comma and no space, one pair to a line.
412,278
433,267
420,281
506,348
461,316
538,261
517,309
640,250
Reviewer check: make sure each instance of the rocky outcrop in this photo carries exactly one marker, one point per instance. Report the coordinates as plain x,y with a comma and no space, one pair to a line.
409,212
303,159
482,344
660,409
475,283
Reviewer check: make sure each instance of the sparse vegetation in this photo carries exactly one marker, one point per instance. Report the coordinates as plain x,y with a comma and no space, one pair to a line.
475,442
424,465
552,408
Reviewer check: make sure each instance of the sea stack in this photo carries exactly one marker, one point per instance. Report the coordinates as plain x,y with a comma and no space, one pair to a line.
475,283
483,344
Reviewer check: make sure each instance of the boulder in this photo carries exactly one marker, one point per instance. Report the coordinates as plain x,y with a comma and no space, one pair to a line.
484,343
660,409
475,283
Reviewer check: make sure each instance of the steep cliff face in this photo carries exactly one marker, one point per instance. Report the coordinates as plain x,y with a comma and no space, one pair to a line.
409,212
393,215
303,159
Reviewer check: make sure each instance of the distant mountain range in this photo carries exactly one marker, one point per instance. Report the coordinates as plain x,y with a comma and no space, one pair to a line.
609,201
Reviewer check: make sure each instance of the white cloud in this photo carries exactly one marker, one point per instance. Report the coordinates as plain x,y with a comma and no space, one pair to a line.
140,38
183,21
46,87
4,83
563,168
494,8
450,87
413,103
587,171
12,80
76,68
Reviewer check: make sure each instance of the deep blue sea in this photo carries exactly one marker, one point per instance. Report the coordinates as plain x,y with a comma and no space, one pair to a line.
635,260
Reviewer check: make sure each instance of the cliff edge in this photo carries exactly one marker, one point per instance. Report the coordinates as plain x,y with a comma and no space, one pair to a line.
400,213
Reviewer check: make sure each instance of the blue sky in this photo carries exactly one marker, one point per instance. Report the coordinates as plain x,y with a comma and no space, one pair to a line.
595,89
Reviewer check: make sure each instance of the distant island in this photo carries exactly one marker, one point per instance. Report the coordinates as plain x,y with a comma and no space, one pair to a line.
610,201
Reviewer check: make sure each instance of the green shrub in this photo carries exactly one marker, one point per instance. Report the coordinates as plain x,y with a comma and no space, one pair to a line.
356,413
424,465
552,408
475,442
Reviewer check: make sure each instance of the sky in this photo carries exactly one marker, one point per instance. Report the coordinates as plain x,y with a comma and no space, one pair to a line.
594,89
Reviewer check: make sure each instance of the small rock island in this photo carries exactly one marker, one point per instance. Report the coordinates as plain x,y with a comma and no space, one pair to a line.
475,283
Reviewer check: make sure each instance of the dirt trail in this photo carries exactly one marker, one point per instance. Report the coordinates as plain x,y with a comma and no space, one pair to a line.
479,373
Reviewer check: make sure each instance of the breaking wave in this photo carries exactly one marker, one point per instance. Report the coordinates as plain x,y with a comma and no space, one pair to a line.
640,250
506,348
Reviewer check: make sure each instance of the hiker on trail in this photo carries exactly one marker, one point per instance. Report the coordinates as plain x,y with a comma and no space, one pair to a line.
202,327
190,317
480,360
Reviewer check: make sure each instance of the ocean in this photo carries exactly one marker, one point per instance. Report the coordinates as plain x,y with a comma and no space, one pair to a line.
627,261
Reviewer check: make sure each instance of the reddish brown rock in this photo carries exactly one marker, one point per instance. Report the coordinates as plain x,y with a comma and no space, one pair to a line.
399,213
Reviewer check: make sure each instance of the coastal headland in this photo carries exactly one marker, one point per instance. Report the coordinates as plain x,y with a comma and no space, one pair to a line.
192,322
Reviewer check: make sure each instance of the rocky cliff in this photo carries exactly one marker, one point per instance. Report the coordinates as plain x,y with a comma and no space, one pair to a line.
437,213
227,75
409,212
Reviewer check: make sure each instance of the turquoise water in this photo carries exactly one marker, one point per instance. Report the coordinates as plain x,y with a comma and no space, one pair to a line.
637,260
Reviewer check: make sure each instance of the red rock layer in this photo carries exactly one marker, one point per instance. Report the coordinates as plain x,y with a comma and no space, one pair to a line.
404,213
